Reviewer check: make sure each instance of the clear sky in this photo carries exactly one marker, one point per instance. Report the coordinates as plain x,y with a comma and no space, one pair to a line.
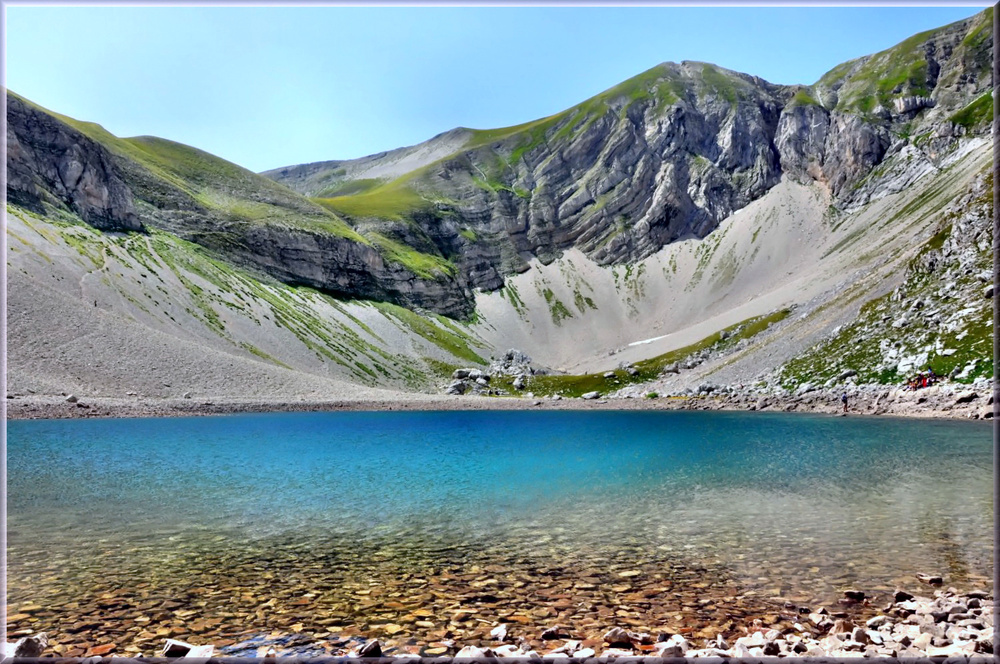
274,86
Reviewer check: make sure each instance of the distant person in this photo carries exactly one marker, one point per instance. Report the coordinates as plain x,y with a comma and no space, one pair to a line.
843,400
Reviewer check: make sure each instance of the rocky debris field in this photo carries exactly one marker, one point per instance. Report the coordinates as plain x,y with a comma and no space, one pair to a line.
947,624
513,363
952,400
948,400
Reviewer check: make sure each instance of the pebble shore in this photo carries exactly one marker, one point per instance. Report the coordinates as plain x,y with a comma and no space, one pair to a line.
944,401
946,624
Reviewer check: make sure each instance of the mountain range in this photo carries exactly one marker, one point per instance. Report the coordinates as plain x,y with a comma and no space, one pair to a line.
690,224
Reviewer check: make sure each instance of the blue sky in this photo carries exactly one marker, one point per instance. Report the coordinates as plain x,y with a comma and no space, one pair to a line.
274,86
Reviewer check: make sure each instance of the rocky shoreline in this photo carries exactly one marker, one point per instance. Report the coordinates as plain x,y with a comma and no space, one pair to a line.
948,624
950,401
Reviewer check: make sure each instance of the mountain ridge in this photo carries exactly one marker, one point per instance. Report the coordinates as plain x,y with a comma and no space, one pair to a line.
647,225
789,132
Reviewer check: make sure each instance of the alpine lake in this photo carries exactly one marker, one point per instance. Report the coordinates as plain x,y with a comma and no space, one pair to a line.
421,527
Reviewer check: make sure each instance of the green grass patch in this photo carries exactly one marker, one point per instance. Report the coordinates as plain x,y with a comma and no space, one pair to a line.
977,113
877,80
424,265
658,85
647,370
937,240
395,200
557,309
350,188
719,83
85,243
174,175
802,98
980,31
446,339
262,355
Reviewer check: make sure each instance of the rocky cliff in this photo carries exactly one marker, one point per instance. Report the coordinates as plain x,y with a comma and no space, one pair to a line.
49,162
663,156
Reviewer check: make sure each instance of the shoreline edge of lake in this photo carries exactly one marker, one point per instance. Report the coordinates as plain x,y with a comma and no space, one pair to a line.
951,402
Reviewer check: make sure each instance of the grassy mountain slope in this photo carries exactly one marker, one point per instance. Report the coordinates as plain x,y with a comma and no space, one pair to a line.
192,319
911,69
245,218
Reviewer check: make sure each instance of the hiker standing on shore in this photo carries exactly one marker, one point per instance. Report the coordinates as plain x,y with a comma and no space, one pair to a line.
843,399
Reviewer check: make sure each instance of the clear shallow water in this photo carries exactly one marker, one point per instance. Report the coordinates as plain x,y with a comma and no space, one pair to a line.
778,505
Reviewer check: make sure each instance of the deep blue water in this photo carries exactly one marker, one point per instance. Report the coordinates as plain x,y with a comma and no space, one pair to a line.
743,487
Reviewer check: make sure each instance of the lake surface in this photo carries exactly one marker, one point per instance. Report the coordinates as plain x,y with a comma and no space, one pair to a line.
216,527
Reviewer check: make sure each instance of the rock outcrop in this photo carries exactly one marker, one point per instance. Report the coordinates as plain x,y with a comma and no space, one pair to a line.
50,162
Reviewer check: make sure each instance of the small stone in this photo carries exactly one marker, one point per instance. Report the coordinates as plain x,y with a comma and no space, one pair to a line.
617,635
499,633
471,652
551,633
371,649
71,399
966,648
100,651
877,621
932,579
856,595
902,596
669,649
591,395
31,646
617,652
841,626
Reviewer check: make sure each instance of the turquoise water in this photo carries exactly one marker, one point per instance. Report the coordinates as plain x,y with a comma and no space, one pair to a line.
784,505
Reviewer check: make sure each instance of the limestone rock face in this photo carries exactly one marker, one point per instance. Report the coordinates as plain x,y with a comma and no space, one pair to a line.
48,160
674,151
